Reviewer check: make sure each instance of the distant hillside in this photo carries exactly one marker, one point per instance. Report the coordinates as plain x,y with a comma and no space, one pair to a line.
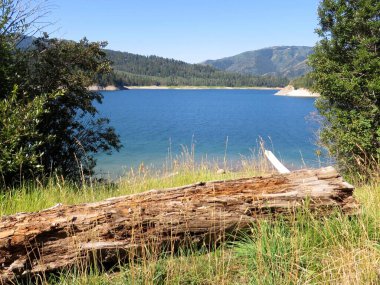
137,70
132,69
282,61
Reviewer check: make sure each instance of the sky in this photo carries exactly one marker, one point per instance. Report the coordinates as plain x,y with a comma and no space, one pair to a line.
188,30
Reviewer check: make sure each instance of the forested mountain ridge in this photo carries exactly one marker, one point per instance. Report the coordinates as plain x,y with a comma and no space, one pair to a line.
137,70
132,69
281,61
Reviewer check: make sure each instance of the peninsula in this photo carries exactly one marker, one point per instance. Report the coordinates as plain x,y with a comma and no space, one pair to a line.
293,92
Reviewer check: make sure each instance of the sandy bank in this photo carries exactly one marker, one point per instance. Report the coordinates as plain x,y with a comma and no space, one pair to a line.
292,92
101,88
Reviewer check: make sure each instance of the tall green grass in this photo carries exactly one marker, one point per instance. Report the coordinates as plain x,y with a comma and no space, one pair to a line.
176,171
33,197
304,250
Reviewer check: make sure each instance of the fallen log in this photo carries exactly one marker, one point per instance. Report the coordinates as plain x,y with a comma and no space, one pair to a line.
64,236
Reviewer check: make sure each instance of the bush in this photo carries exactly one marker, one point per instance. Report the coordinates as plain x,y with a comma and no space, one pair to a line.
346,72
48,122
20,138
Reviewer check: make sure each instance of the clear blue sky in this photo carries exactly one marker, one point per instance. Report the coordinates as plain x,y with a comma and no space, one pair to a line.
189,30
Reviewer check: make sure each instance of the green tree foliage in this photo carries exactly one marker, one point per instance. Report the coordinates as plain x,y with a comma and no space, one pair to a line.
304,81
5,68
20,139
137,70
346,73
6,39
48,122
69,67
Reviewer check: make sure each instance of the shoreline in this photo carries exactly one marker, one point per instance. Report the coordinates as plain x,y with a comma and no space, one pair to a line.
114,88
101,88
290,91
201,87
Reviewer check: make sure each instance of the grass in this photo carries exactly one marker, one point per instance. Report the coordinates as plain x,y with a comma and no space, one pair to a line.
35,197
306,250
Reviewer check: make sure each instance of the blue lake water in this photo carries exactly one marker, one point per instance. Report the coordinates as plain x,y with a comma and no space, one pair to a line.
153,123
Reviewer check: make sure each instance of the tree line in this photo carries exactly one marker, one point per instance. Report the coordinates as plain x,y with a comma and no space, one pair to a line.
137,70
304,81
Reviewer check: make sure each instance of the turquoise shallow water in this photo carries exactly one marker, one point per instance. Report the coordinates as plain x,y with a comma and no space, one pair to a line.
152,122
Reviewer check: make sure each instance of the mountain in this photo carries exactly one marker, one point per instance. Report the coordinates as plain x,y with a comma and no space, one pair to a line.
133,69
282,61
138,70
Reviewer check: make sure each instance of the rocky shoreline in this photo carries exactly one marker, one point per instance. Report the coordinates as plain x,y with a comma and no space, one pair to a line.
293,92
105,88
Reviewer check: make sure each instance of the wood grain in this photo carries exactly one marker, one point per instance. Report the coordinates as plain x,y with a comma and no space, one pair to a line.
70,235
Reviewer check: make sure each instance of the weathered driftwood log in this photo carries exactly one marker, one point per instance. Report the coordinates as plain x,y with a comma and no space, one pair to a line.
65,236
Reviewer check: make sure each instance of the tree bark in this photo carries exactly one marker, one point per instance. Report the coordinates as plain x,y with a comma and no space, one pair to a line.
118,228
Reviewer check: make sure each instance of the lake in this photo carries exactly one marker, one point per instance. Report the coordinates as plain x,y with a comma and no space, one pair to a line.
157,124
